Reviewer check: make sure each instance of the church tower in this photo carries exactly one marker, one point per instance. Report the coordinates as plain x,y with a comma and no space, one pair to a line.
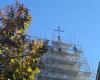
63,61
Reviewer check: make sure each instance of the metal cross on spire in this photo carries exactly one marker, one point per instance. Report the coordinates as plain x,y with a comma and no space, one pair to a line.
59,31
16,0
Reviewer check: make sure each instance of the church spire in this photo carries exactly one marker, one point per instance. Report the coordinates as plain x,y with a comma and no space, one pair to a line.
59,32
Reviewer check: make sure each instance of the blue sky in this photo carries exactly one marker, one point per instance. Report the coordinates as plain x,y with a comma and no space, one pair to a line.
81,17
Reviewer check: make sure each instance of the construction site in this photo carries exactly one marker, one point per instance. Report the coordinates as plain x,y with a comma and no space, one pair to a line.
63,61
24,58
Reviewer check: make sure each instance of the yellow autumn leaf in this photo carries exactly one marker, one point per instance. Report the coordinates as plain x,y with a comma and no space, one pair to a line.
1,52
12,60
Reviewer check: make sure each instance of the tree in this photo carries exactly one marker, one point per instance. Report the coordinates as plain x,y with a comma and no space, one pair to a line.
19,55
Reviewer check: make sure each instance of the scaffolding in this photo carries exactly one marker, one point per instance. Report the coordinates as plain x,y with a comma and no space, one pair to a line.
63,61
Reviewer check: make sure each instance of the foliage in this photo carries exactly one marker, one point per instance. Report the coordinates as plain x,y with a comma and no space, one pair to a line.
19,55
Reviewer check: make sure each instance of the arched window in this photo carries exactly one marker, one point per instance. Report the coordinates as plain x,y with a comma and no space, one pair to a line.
60,49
